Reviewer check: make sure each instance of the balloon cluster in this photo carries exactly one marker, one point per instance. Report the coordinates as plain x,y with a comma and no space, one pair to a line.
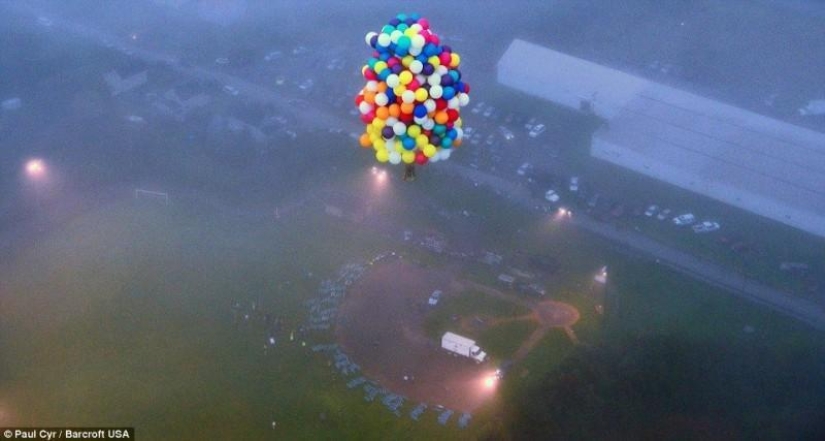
414,90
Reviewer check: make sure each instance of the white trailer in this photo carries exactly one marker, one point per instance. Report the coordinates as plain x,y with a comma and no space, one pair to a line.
462,346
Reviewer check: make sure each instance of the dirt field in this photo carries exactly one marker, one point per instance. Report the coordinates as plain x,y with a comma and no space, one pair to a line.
381,328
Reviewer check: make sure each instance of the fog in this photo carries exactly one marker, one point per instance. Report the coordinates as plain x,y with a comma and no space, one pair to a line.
181,182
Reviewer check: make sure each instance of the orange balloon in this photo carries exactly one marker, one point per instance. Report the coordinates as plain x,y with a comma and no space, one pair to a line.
364,140
382,112
441,117
407,108
395,111
369,97
382,86
457,142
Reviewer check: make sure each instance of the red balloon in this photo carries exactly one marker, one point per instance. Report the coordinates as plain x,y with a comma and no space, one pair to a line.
369,74
420,158
440,104
452,114
368,117
358,99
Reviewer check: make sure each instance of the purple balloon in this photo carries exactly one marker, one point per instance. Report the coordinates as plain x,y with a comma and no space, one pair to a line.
397,69
387,132
428,69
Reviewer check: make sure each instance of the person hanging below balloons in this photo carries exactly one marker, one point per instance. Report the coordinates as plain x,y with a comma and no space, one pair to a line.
413,94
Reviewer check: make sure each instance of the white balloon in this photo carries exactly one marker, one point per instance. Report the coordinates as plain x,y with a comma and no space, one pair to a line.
415,51
369,37
392,81
395,158
434,80
384,40
417,40
463,99
416,66
441,70
371,86
381,99
444,154
365,107
428,124
391,120
453,103
399,128
408,96
395,35
459,133
436,91
430,105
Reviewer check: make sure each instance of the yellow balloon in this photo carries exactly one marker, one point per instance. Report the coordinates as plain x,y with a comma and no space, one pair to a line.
378,123
455,60
379,144
380,66
405,77
421,140
400,148
407,60
382,155
408,157
413,131
399,89
410,32
421,94
432,60
430,150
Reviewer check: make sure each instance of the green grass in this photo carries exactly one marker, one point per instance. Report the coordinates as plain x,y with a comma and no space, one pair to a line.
503,340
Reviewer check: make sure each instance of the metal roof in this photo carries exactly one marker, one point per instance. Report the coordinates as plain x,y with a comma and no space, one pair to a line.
739,157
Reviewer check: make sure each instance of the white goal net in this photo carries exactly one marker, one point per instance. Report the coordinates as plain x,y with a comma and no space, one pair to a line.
158,197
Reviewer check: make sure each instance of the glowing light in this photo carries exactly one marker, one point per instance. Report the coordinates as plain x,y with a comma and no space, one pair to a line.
134,36
490,382
35,168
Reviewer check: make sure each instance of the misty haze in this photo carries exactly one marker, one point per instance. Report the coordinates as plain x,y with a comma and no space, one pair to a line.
251,219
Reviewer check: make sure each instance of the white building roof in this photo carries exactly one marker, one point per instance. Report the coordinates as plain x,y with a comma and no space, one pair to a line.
760,164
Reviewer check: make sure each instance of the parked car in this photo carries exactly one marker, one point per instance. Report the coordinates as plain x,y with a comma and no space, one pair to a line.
523,168
506,133
551,196
574,183
706,227
651,210
435,297
537,130
230,90
664,214
684,219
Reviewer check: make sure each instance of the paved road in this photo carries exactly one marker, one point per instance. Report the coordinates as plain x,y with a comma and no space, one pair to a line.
803,310
698,268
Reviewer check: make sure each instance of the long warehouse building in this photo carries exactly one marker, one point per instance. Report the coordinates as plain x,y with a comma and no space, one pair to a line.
744,159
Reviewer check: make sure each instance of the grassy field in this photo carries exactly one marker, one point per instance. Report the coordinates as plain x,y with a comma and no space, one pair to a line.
123,317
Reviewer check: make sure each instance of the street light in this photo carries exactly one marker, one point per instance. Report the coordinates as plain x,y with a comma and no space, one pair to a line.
36,169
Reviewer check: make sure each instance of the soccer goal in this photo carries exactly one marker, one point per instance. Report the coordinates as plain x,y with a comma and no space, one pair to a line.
152,196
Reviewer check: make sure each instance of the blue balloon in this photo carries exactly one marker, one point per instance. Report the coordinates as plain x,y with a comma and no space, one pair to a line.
446,142
447,93
420,111
389,92
408,143
452,133
439,129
